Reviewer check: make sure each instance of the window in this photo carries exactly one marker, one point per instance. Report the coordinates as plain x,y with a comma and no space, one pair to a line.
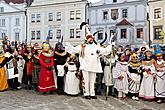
58,34
124,13
38,34
78,14
38,17
50,34
100,36
32,35
157,32
77,33
139,33
1,9
2,22
17,36
157,13
105,15
71,33
17,23
33,17
114,1
114,14
112,32
123,33
50,17
3,35
58,16
71,15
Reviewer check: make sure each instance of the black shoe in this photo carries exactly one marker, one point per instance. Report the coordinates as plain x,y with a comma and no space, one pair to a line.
44,93
93,97
98,93
87,97
51,92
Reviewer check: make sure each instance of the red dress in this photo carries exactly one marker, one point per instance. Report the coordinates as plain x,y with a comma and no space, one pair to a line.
46,82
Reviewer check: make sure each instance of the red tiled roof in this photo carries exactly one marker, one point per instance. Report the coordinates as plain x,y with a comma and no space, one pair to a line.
19,1
15,1
123,22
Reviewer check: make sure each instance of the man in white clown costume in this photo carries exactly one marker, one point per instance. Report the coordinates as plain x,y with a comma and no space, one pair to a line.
89,61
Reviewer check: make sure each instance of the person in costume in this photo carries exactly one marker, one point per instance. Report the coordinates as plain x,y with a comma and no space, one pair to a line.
120,73
16,74
147,85
127,52
46,81
135,70
89,61
20,66
111,58
28,68
36,67
4,58
72,81
160,77
60,57
10,73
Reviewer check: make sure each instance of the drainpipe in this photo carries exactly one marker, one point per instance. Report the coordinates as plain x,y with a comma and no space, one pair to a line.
26,18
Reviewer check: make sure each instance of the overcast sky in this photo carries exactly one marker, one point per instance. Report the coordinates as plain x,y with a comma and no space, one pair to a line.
93,1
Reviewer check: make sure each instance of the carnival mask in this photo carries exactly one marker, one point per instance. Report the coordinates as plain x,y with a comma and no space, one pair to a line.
134,57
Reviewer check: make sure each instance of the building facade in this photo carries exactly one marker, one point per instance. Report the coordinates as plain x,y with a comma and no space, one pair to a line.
54,19
156,15
12,21
126,19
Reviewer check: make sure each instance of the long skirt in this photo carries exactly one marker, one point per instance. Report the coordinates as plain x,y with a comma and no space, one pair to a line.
160,85
147,87
36,75
72,84
3,79
134,83
107,79
46,82
122,85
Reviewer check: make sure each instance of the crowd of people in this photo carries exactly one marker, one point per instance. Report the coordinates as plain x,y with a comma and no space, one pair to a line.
87,69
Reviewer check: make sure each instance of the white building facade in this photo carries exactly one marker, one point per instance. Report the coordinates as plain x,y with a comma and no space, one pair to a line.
127,19
54,19
156,12
12,21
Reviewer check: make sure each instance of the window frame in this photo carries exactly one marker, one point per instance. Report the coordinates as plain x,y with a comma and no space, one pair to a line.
125,36
71,33
157,27
58,15
33,37
50,16
78,14
158,12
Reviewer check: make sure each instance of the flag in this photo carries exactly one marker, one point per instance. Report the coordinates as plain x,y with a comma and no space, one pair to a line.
48,36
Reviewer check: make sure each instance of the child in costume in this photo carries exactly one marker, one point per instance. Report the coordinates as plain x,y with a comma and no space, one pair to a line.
72,82
135,71
147,85
120,73
160,77
20,65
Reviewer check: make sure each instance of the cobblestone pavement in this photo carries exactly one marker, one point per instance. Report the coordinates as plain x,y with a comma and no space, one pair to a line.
30,100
